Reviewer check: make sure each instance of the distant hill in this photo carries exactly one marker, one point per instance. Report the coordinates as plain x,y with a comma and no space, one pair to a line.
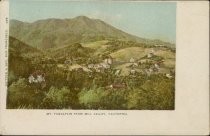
21,58
18,48
50,33
72,51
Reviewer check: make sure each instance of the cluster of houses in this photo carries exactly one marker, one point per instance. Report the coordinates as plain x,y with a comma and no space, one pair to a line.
37,77
153,68
134,66
100,67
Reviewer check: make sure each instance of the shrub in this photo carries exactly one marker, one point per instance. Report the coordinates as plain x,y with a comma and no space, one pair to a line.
59,98
137,99
98,98
20,94
91,98
115,99
159,93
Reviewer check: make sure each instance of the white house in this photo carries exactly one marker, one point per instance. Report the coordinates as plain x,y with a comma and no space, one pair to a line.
38,79
108,60
117,72
157,66
31,79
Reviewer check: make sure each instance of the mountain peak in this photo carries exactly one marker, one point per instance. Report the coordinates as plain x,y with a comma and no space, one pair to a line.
82,18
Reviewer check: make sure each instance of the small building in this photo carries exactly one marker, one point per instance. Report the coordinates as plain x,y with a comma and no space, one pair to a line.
157,66
108,60
31,79
40,78
36,77
117,72
150,55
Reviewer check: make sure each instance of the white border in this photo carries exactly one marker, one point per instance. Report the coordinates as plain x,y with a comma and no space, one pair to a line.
191,114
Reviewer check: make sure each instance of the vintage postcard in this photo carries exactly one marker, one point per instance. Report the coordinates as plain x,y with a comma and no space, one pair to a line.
99,59
91,55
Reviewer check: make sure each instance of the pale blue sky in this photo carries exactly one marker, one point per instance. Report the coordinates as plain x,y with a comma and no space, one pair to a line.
154,20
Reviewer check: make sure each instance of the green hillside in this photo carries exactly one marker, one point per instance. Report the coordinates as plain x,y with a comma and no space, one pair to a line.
21,59
50,33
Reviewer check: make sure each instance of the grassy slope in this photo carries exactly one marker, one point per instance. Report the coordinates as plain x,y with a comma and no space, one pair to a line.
125,54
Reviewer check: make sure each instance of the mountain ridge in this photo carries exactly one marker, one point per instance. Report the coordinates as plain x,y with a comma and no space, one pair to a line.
54,32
